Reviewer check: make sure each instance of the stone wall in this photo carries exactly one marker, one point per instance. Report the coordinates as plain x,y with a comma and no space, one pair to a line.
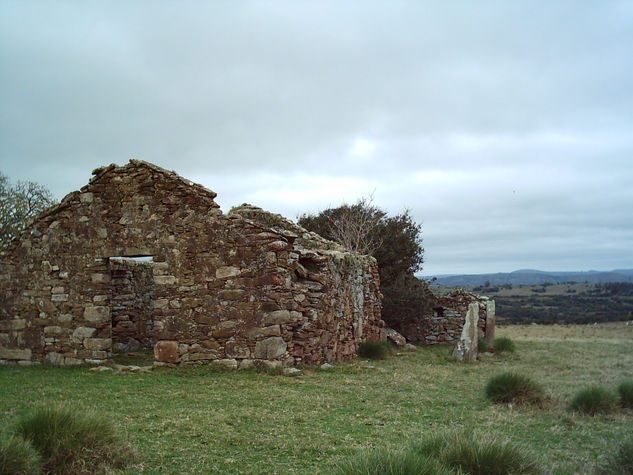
445,323
241,289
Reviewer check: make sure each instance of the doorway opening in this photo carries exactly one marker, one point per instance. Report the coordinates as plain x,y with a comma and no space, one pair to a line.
132,302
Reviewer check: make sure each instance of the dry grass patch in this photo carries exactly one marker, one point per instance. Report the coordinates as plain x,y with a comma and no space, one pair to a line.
612,332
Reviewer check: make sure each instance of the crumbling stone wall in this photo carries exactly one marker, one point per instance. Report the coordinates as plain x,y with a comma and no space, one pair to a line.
240,289
445,323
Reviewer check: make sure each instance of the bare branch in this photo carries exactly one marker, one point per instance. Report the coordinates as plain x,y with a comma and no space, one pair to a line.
354,226
19,204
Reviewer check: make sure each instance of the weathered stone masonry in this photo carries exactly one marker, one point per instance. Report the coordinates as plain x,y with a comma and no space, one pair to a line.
444,324
237,289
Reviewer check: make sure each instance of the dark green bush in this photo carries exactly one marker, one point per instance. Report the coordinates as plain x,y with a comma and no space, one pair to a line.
71,442
18,457
513,388
375,350
384,462
593,400
478,454
502,345
619,463
625,391
482,345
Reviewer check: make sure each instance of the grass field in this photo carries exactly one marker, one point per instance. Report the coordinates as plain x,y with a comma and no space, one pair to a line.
200,420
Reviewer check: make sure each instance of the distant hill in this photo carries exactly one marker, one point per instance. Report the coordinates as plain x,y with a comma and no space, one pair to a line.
535,277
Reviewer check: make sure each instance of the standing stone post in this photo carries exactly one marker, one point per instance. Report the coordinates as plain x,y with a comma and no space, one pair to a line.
490,322
466,349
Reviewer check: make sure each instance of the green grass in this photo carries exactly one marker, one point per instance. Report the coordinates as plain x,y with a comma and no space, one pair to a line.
503,345
479,454
593,400
399,462
482,345
625,394
204,420
513,388
19,457
449,453
620,462
70,441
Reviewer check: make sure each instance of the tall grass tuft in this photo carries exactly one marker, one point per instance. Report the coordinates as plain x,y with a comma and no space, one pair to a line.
593,400
72,442
513,388
482,345
621,462
384,462
625,392
478,454
375,350
503,345
19,457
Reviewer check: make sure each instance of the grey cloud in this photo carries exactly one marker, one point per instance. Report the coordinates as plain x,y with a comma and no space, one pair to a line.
501,125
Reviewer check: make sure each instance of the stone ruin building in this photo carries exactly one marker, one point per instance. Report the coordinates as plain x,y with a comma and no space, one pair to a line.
445,322
142,258
459,318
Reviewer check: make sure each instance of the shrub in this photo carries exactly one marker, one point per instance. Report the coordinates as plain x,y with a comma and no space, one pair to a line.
384,462
502,345
482,345
395,242
513,388
375,350
71,442
625,391
18,457
478,454
593,400
621,462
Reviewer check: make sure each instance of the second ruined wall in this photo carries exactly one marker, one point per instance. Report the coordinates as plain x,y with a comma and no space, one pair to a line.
445,322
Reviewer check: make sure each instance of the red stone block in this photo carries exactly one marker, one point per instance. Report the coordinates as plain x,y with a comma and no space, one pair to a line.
166,351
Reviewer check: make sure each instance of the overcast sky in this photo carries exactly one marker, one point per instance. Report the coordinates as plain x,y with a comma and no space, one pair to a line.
505,127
